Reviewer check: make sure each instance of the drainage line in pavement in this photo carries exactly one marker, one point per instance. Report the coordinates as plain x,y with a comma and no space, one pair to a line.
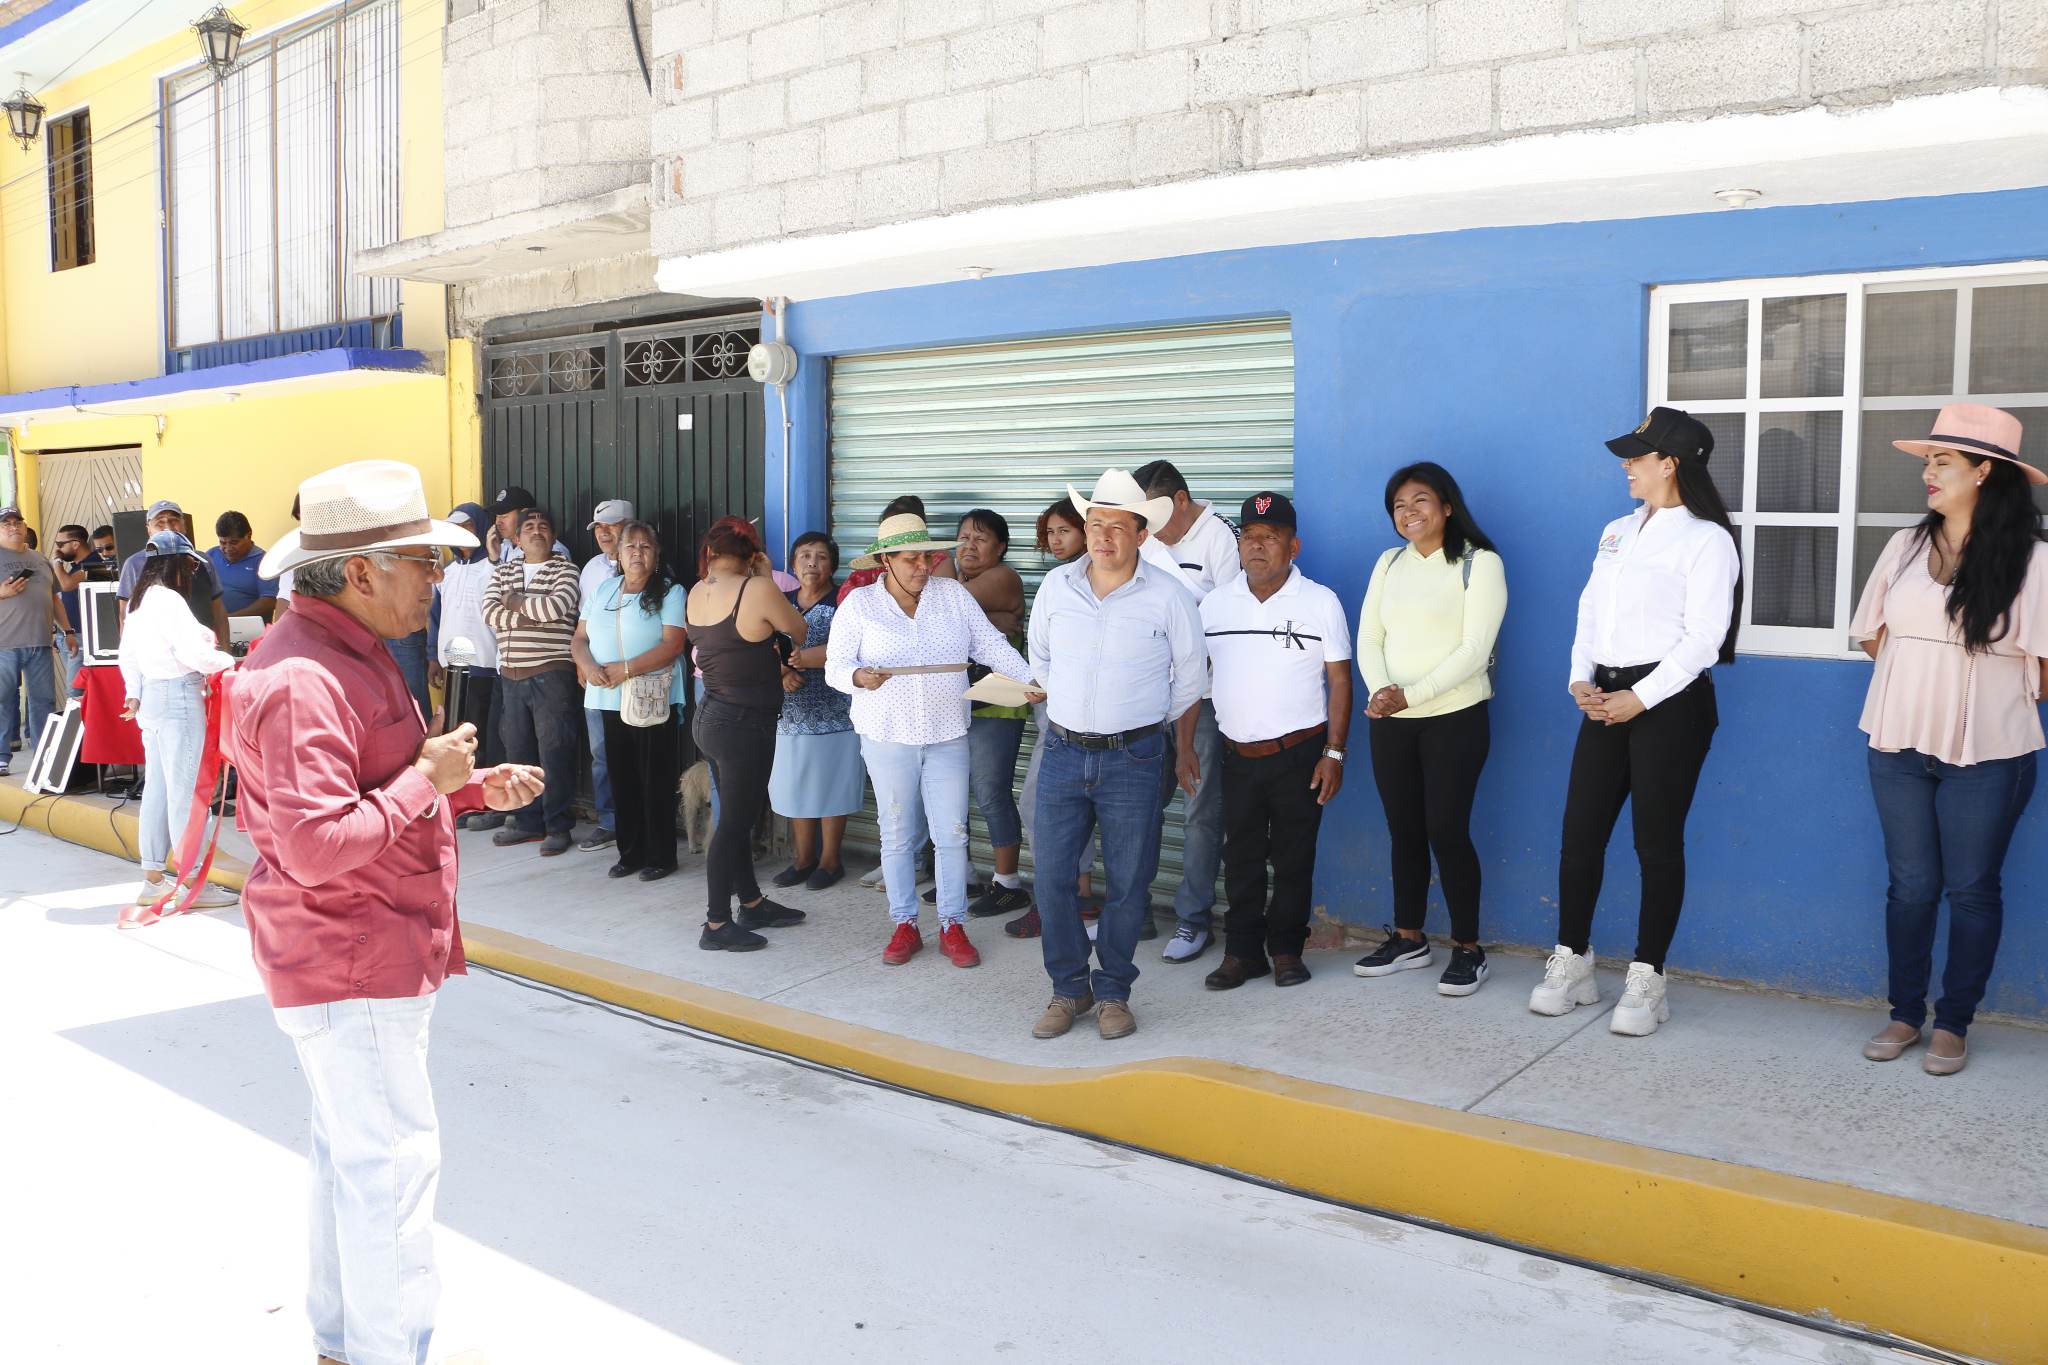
1830,1326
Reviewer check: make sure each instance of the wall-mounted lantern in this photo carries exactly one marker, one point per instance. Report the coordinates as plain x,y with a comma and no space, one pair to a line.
220,40
24,115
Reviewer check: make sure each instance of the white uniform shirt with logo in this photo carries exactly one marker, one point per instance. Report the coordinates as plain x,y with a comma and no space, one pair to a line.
1661,592
1266,658
1204,558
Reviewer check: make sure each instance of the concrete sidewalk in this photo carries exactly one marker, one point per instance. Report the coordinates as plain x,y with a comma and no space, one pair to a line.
1750,1077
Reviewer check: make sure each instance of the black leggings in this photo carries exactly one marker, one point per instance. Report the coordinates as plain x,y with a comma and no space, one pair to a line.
1427,769
739,744
1653,762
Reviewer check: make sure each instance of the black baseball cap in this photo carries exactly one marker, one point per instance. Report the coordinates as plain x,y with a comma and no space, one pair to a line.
1667,431
511,498
1270,509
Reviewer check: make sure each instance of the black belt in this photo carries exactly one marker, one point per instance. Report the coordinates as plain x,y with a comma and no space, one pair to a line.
1116,741
1620,679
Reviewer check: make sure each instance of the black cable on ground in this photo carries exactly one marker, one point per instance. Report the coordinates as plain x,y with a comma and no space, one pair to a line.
1847,1331
22,818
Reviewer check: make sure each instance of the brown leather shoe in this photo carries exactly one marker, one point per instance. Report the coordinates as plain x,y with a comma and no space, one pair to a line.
1115,1020
1060,1015
1288,971
330,1360
1233,972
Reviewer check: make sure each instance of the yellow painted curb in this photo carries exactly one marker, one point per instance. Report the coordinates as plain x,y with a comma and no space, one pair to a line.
95,822
1957,1280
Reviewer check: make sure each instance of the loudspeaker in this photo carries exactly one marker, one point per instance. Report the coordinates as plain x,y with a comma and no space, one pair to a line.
49,770
131,534
100,633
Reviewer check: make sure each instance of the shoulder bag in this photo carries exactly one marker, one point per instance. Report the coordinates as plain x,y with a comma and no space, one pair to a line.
643,701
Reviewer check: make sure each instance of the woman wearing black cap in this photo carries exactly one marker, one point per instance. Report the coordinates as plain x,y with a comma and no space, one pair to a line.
1660,609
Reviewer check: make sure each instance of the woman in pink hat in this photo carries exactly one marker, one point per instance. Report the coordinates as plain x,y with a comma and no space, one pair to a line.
1956,616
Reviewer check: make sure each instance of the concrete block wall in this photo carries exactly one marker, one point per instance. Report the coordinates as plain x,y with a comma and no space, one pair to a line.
782,117
544,103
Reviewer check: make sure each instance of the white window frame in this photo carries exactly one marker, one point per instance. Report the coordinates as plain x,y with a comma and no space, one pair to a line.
1825,642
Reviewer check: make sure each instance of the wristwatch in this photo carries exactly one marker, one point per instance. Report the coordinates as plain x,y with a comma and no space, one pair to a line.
1337,754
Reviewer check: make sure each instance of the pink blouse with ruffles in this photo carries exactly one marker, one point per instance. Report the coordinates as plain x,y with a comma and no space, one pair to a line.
1929,693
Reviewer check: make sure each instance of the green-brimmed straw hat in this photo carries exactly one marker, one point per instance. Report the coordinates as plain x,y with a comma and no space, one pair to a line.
904,531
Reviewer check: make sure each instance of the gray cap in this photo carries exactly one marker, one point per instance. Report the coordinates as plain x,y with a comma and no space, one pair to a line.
611,512
11,514
163,505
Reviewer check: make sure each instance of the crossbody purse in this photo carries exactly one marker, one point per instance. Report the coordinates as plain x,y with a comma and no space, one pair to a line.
643,701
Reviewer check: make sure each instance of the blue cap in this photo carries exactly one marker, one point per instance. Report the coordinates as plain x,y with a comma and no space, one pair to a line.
170,543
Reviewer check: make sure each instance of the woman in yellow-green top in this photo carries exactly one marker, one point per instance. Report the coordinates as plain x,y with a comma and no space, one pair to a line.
1425,647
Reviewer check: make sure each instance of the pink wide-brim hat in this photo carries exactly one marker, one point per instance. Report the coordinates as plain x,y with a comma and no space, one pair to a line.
1973,429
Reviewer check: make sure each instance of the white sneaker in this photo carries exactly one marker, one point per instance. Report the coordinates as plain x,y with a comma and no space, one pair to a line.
1642,1005
150,891
872,879
213,897
1186,945
1568,982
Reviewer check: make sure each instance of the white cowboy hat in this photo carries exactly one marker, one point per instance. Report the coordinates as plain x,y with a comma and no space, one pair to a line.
904,531
355,508
1117,489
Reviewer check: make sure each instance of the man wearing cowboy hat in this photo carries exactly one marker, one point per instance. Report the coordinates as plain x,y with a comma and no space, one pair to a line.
351,901
1117,646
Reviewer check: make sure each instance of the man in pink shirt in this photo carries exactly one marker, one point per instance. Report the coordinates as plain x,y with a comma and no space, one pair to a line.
351,902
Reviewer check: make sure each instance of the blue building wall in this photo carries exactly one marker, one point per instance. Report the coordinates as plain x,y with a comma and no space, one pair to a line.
1508,355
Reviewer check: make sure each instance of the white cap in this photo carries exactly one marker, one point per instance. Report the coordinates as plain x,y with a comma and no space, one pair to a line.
611,512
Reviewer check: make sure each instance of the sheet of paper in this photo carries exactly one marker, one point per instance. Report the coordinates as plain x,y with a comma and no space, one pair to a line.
997,689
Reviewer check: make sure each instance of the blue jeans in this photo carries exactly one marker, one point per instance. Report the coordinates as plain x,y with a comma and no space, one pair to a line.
374,1163
539,720
600,771
1081,791
992,743
33,663
921,789
172,719
1202,816
410,653
1946,828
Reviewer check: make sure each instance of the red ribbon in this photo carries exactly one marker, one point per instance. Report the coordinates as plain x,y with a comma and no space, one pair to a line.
202,828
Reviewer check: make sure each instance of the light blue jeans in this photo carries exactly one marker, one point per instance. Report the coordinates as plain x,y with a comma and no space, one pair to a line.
20,665
921,789
172,719
600,771
375,1159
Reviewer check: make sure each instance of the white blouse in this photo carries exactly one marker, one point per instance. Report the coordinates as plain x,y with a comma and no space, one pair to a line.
162,640
871,631
1661,592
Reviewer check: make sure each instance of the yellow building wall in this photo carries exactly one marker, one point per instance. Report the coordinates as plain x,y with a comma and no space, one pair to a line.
102,322
252,454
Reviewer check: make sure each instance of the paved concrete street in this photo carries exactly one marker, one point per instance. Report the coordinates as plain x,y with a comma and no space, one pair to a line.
617,1193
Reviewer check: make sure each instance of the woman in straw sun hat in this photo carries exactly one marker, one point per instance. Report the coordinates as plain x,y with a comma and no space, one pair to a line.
900,647
1956,616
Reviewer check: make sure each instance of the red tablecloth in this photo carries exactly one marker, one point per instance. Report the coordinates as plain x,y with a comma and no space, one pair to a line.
107,738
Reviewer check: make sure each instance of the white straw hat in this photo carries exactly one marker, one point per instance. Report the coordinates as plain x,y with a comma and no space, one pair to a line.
355,508
904,531
1116,489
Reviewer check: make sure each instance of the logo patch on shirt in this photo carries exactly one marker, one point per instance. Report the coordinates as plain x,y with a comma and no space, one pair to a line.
1610,543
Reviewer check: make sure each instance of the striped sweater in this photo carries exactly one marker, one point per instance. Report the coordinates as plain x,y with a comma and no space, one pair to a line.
533,625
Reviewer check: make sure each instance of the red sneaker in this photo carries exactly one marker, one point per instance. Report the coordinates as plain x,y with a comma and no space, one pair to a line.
904,944
953,943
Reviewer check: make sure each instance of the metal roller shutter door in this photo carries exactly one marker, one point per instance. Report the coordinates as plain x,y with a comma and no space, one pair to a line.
1009,425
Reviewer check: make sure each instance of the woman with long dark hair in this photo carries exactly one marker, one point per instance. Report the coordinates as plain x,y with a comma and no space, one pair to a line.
166,657
631,625
1659,611
1956,616
732,627
1425,644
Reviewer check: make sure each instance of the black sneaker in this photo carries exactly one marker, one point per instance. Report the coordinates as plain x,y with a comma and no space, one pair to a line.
599,838
998,899
766,914
974,890
1466,972
792,875
729,937
1397,954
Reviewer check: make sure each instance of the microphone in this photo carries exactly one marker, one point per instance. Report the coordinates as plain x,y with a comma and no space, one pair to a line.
455,699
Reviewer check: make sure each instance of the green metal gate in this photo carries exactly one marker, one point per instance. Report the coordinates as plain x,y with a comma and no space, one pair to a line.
1008,425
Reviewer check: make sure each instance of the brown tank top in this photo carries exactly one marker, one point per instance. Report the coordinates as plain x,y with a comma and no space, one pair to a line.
738,670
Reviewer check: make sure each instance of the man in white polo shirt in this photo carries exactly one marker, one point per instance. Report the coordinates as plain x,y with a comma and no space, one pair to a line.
1280,660
1200,548
603,566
